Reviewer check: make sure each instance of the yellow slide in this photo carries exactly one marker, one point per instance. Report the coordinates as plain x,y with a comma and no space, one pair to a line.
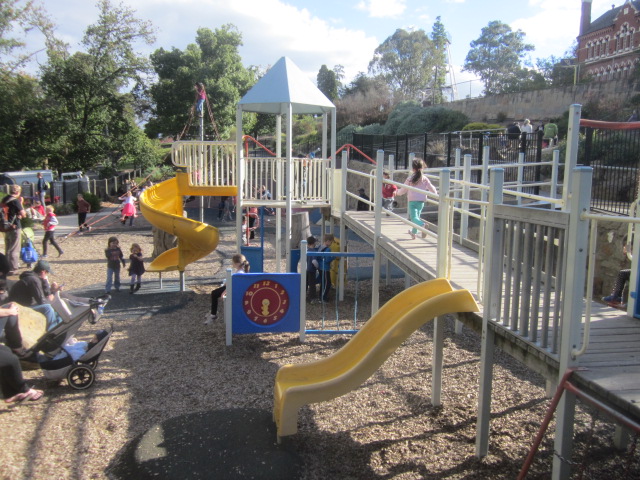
349,367
161,205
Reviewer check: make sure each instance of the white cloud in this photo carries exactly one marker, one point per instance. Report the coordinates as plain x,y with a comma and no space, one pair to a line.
383,8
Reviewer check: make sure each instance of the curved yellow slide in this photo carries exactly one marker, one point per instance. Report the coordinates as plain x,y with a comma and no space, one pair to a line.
356,361
161,205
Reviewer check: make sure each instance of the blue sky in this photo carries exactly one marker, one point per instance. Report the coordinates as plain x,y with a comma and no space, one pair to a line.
331,32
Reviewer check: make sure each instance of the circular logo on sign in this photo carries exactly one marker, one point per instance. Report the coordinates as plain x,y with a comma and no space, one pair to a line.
265,302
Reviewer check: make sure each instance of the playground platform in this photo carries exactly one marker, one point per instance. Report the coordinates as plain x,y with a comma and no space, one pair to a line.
611,365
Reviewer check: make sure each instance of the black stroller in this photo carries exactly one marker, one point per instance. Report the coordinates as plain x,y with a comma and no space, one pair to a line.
53,351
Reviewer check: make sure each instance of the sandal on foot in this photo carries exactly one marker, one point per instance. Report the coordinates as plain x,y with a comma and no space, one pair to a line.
31,394
413,235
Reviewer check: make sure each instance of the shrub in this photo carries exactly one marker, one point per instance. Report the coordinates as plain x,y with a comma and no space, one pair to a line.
481,126
432,120
64,208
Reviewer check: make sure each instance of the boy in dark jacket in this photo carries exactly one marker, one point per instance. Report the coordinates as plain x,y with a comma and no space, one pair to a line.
312,269
325,267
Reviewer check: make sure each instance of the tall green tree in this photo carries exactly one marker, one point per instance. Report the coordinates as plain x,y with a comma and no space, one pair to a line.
327,82
18,16
89,111
406,61
496,56
213,60
440,41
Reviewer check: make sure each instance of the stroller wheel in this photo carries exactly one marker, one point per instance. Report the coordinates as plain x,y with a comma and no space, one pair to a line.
81,377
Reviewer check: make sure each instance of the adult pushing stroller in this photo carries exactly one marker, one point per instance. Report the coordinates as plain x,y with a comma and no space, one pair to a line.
60,356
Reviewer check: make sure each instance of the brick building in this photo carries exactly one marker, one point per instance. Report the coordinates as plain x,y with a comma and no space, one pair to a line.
609,47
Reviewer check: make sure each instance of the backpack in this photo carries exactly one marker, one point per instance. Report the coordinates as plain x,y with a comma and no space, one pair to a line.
28,254
5,224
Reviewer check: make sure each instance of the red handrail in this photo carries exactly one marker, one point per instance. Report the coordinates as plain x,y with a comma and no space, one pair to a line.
348,146
246,139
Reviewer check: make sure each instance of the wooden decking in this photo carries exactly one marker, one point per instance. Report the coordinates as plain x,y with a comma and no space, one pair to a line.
612,360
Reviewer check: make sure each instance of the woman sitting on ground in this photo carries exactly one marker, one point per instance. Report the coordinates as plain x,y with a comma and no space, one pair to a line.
14,388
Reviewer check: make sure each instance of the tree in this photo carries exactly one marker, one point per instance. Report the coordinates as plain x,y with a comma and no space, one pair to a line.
440,40
213,60
20,143
328,83
366,100
16,15
89,113
496,56
406,61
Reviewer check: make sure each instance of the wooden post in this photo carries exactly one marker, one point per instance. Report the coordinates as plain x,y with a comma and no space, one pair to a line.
300,228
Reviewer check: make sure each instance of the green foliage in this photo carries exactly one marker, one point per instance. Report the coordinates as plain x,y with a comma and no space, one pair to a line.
88,116
480,126
20,140
501,117
440,41
406,61
213,60
93,200
397,116
409,117
373,129
65,208
432,120
328,83
496,57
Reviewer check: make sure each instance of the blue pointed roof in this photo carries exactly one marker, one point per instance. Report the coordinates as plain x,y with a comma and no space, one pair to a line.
282,85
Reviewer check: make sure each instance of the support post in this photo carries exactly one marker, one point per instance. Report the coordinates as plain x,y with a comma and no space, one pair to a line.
228,311
493,270
466,193
574,282
280,194
571,156
377,198
441,271
303,290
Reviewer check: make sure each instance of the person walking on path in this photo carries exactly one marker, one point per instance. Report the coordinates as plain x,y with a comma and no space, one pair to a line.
136,267
41,188
114,258
84,208
49,223
526,126
239,265
12,237
388,193
416,199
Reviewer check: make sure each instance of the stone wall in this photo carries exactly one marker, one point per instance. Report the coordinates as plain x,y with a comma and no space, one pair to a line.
540,105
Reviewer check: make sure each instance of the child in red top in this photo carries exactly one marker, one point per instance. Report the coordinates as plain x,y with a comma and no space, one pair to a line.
49,223
388,193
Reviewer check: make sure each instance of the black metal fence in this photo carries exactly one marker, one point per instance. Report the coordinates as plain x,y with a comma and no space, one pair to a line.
438,150
614,155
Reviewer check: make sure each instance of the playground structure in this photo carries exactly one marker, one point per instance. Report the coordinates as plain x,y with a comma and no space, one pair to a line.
349,367
483,221
200,170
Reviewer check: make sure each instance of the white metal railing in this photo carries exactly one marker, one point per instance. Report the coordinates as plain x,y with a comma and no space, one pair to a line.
210,164
311,179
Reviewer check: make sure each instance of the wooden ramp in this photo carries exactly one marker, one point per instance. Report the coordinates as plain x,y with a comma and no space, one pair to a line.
612,358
